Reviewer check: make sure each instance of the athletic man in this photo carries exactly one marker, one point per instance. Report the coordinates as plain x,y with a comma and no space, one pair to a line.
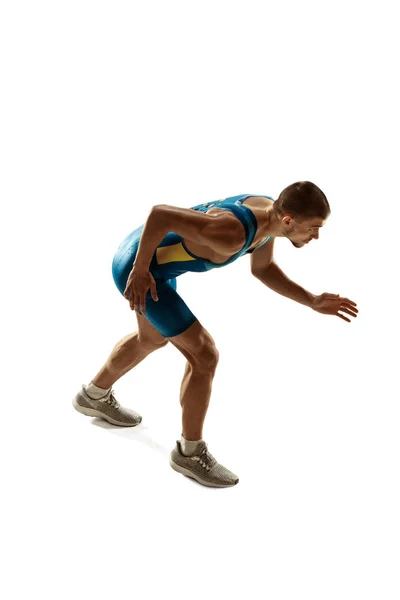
174,241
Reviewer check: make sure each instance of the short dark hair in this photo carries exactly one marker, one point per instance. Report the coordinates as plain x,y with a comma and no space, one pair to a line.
303,200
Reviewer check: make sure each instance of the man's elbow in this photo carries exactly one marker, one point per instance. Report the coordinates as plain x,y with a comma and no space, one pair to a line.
263,272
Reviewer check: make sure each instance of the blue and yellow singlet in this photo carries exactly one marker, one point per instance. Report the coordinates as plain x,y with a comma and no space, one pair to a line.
170,315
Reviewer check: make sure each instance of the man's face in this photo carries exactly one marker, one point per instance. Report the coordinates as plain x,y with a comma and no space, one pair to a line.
302,233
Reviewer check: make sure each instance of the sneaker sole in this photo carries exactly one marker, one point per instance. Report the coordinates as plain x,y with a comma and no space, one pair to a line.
184,471
90,412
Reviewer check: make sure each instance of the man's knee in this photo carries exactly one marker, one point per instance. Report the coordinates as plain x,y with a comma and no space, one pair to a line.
207,356
198,346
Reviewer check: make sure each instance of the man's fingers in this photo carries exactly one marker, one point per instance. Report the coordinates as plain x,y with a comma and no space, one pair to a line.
342,317
349,301
348,311
351,306
143,303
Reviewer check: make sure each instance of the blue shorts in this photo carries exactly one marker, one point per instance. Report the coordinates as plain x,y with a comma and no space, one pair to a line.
170,315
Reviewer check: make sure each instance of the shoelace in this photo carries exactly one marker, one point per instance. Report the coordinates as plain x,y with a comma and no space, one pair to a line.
206,459
110,399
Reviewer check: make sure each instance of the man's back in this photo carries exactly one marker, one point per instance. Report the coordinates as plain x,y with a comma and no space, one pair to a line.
176,255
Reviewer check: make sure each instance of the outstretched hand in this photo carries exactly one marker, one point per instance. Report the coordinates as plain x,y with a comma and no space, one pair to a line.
331,304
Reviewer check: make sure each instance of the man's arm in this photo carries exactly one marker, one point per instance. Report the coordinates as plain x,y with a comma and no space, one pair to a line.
275,279
261,257
221,232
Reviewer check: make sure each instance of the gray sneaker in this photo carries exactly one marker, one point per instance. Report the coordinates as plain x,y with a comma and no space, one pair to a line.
106,408
202,466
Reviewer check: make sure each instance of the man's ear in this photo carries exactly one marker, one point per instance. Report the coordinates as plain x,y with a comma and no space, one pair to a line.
286,219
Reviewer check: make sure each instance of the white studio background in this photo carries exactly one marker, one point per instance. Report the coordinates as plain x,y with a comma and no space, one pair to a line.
108,108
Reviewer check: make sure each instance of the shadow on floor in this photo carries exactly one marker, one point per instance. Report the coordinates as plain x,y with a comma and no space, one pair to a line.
139,433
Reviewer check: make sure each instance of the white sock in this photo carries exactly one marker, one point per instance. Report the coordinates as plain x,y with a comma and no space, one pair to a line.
189,446
95,392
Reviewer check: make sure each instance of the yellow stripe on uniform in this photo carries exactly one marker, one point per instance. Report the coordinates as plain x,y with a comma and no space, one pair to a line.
173,253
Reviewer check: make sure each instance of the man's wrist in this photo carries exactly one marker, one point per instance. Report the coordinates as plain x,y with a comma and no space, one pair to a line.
312,300
141,266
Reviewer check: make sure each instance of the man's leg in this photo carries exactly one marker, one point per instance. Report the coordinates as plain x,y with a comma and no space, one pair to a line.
191,456
169,314
197,345
129,352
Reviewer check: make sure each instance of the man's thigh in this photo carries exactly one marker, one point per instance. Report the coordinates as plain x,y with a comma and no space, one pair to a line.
148,334
170,319
169,315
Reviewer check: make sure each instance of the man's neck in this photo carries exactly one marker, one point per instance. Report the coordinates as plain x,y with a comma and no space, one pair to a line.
274,227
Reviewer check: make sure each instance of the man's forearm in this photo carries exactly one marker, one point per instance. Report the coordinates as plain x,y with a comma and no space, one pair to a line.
275,279
153,232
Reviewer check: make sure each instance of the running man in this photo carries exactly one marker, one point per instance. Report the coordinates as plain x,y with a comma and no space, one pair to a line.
145,268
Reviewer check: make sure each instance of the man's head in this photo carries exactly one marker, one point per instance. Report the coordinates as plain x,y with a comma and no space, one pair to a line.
300,211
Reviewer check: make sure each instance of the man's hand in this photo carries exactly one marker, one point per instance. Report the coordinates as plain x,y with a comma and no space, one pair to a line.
137,286
331,304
